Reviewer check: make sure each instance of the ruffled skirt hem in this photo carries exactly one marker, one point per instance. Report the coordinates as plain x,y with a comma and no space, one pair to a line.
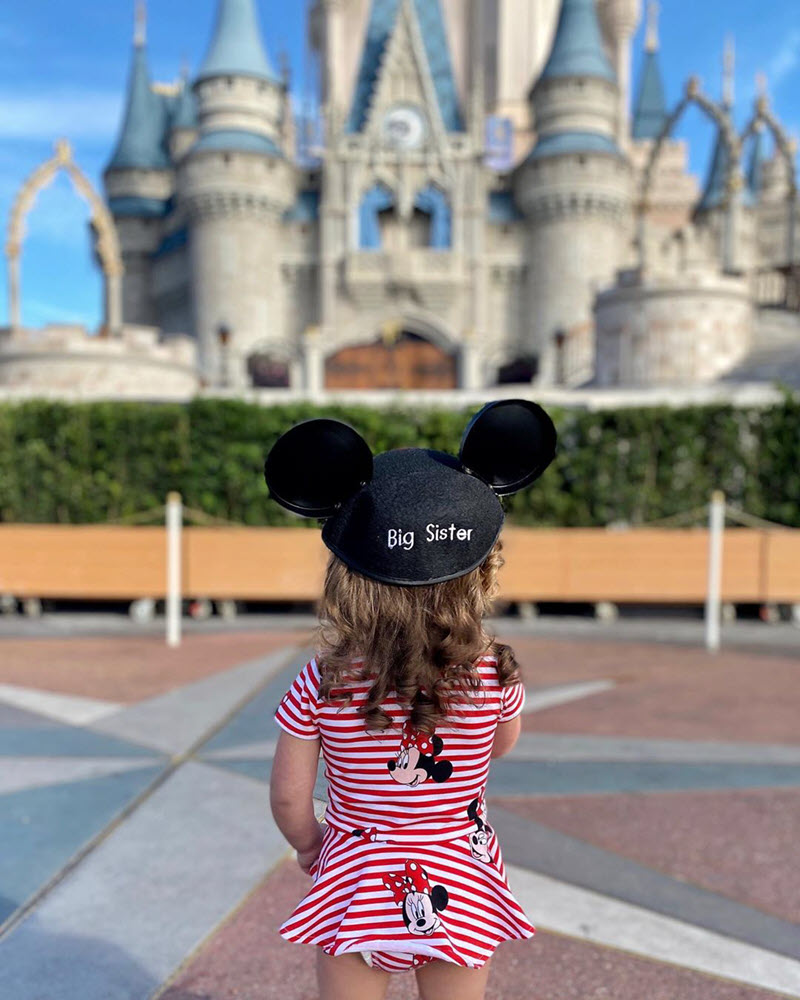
430,901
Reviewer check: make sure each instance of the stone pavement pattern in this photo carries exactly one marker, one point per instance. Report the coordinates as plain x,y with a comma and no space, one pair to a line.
648,818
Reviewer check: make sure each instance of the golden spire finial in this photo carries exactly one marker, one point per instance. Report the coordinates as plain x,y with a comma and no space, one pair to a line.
140,31
728,78
762,98
63,151
651,42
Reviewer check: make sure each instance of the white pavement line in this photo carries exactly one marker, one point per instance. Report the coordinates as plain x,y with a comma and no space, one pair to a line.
64,707
129,913
537,699
175,721
20,773
561,747
590,916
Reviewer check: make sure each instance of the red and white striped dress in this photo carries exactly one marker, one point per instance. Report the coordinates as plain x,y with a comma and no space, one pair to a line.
409,870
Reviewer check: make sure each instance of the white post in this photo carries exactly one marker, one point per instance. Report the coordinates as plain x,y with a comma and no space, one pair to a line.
174,525
716,525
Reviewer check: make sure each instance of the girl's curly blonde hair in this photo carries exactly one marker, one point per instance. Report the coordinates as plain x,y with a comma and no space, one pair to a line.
419,642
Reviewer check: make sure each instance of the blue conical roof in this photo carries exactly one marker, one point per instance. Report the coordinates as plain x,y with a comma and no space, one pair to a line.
755,166
650,113
714,191
141,140
184,114
578,45
236,47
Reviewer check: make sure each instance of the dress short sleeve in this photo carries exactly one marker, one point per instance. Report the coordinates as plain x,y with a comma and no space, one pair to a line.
297,712
513,702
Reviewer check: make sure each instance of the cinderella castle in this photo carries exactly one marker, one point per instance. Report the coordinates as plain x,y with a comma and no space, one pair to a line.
485,198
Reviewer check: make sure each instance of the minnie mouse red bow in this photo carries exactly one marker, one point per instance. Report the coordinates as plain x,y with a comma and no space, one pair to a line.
412,738
414,880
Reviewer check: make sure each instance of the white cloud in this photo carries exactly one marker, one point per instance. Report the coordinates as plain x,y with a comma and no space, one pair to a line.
785,60
73,114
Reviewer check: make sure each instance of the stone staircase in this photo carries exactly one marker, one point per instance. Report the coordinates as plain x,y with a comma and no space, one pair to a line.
775,355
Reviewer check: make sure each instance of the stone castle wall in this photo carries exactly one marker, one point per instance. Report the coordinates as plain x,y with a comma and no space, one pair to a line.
672,331
67,360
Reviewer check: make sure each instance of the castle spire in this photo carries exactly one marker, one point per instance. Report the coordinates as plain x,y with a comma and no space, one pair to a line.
578,45
729,73
140,28
651,41
650,110
140,144
236,47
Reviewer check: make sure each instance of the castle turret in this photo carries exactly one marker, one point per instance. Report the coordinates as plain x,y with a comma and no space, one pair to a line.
574,189
236,184
139,180
650,110
620,19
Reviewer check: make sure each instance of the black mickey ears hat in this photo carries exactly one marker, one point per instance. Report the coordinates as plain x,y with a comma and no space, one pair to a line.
412,516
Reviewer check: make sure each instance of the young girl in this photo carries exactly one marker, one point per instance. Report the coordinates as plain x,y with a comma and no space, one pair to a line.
408,699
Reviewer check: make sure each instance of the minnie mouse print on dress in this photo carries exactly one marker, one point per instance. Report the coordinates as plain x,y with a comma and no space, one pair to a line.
421,903
416,759
479,840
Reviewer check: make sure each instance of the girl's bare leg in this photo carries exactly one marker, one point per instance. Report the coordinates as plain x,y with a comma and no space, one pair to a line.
348,977
440,980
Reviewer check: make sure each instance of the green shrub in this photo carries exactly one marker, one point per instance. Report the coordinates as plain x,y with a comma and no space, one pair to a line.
91,462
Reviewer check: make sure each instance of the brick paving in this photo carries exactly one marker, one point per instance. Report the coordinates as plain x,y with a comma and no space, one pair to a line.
130,669
740,844
666,692
248,960
736,843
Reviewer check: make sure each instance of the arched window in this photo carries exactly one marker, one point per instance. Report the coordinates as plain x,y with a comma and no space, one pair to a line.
519,370
267,372
432,201
376,200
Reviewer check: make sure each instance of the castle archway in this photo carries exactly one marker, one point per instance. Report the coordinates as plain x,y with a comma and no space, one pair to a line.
107,242
763,118
402,356
733,178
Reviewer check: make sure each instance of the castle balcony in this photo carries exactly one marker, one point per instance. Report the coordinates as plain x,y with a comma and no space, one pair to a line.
436,276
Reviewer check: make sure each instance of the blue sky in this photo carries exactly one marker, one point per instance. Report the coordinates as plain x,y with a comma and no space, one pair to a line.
64,66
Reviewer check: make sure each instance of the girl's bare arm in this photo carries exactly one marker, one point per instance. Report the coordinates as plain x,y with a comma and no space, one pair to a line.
506,735
294,772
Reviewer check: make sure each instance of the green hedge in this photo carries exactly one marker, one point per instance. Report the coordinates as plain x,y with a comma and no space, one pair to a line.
88,463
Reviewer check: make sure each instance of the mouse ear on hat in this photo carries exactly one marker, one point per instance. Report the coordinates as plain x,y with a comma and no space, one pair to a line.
316,465
508,444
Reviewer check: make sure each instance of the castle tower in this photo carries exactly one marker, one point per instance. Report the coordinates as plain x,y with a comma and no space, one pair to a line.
139,181
620,19
575,190
235,184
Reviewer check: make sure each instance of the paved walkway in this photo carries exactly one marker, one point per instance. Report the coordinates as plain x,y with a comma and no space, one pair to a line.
648,818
